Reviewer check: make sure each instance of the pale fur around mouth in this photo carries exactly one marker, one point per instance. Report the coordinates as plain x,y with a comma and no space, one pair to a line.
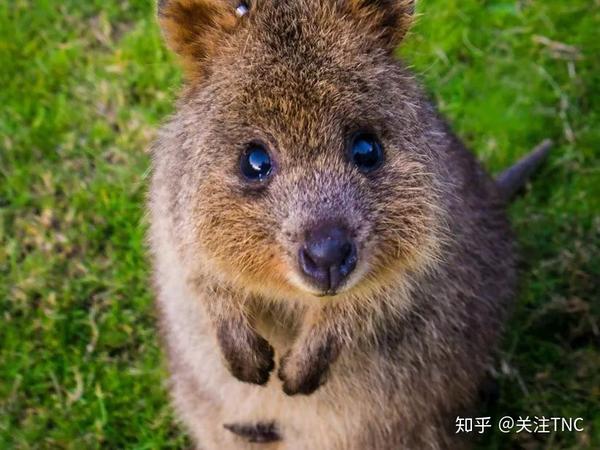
353,281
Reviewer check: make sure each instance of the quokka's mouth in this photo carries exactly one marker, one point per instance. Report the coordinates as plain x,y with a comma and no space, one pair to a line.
258,433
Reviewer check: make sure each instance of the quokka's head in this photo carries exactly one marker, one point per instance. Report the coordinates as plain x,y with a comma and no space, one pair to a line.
300,157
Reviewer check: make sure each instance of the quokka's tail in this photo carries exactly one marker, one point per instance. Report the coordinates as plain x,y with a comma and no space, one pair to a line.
513,179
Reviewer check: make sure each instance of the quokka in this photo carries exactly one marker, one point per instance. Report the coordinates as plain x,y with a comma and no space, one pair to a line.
332,266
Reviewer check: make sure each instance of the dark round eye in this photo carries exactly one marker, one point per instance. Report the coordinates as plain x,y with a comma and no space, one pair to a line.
256,164
366,152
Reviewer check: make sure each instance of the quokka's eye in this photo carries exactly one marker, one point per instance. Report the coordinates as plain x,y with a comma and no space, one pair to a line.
242,9
256,163
366,152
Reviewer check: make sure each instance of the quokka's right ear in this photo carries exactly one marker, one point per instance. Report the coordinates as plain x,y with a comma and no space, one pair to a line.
388,19
195,28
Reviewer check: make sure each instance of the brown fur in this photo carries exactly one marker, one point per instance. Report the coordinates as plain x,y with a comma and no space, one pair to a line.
390,360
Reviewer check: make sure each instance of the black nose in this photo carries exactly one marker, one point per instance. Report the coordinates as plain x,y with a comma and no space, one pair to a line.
328,256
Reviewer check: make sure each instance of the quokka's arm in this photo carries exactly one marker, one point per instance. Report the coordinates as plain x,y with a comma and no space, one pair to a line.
247,355
304,368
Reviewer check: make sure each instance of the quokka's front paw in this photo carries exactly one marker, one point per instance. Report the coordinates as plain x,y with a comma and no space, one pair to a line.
250,358
256,365
301,375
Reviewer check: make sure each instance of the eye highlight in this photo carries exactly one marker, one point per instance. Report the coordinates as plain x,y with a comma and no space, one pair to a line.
366,152
256,163
242,9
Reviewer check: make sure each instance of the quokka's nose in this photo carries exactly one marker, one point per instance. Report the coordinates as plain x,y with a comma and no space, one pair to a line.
328,256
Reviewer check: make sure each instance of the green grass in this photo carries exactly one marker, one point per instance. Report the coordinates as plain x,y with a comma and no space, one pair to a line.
83,87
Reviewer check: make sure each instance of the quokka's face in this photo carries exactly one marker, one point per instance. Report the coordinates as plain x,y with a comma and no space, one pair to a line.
312,175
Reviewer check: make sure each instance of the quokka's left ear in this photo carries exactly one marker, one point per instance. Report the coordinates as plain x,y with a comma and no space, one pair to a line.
194,29
388,19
